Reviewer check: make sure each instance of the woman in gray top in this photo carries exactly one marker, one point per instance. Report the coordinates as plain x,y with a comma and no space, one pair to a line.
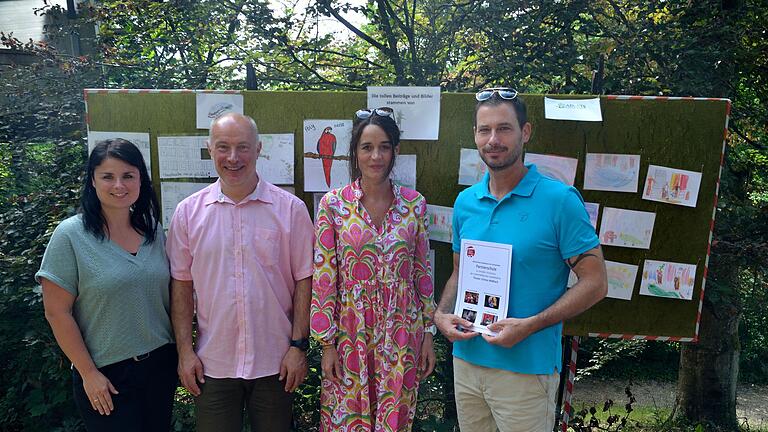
105,290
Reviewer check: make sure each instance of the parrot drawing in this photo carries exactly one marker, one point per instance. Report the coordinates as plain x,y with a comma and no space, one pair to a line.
326,148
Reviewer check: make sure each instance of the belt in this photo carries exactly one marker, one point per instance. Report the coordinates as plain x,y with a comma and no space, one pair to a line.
140,357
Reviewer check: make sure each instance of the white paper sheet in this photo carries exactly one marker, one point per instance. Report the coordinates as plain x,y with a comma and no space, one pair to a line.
611,172
672,186
668,279
417,109
404,171
275,163
621,279
211,105
139,139
323,136
440,223
172,193
626,228
471,167
593,209
573,109
556,167
184,157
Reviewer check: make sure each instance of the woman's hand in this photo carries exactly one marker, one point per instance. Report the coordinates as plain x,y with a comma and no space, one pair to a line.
330,364
427,359
99,390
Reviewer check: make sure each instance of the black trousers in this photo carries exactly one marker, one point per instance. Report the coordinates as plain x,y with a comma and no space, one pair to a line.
145,401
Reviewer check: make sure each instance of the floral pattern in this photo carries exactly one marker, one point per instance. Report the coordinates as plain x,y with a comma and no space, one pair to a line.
372,297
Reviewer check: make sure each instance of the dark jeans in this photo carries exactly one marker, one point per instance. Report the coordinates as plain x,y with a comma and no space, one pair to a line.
145,401
221,401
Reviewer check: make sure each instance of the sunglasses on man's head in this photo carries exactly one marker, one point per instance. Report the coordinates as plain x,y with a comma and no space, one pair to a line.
503,92
382,112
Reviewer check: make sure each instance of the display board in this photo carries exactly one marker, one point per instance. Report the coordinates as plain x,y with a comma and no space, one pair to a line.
655,229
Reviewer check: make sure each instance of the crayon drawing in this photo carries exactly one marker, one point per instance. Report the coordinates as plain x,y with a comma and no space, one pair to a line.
621,279
626,228
326,146
611,172
440,223
471,167
668,279
555,167
592,210
672,186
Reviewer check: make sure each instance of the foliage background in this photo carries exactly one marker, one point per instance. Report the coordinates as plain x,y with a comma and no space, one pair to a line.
672,47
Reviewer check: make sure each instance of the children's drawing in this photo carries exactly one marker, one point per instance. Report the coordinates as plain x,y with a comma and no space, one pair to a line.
326,147
611,172
404,171
275,163
555,167
471,167
626,228
210,105
621,279
440,223
668,279
172,193
592,211
672,186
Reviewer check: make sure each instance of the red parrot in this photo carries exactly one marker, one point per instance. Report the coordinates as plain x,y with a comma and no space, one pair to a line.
326,148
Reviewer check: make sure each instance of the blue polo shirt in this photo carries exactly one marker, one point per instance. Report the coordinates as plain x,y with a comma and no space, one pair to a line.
545,222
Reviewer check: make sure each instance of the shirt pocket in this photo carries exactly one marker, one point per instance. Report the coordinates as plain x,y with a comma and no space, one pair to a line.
266,246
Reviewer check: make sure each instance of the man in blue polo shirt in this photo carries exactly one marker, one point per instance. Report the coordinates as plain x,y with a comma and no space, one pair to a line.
509,381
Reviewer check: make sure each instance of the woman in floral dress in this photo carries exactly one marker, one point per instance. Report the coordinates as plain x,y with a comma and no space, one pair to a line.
372,292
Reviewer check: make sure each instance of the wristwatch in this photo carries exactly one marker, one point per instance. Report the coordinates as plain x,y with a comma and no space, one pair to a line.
431,330
302,344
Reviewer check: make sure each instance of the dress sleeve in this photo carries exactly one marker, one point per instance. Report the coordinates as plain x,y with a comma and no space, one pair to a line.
323,310
422,274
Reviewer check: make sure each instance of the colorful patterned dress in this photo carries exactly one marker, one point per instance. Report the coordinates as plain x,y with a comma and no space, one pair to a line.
372,297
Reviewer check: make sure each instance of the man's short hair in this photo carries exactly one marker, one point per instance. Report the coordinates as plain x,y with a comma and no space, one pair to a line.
518,104
251,121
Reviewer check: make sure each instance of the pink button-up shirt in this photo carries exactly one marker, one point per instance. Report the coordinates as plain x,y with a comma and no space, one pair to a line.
243,260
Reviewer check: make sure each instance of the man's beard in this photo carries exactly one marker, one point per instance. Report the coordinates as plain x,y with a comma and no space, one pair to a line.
514,154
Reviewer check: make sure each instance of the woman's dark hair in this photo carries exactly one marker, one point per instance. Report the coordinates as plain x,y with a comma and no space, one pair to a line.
145,211
390,128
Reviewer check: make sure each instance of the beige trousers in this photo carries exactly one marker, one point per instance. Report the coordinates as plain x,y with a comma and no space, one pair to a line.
490,400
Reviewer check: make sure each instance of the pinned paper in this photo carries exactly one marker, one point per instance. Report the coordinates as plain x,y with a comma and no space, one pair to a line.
555,167
275,163
404,171
440,223
621,279
592,210
326,154
611,172
471,167
211,105
184,157
626,228
573,109
668,279
416,109
172,193
139,139
672,186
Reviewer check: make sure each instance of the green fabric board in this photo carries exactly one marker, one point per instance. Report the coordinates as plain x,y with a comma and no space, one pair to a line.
686,134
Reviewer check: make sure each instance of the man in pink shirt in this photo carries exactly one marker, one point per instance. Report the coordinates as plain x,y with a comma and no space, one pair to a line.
241,259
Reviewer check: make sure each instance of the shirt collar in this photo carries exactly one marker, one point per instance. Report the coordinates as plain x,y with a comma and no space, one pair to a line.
524,188
261,193
357,190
